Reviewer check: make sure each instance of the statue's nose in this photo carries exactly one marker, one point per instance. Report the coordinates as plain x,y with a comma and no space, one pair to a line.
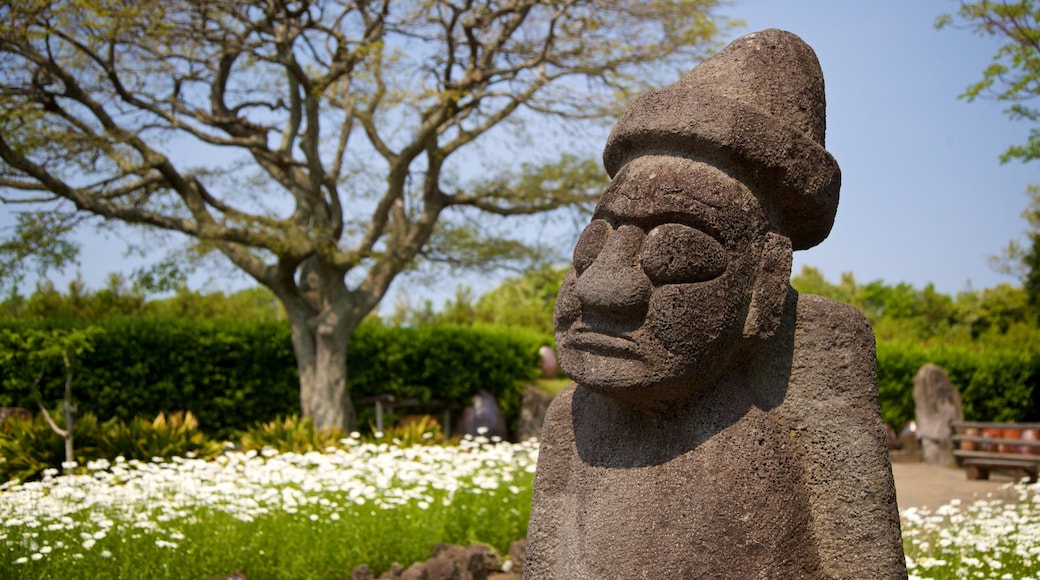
615,282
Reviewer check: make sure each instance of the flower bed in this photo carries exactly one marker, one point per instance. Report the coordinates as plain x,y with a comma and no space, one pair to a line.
988,538
318,515
266,514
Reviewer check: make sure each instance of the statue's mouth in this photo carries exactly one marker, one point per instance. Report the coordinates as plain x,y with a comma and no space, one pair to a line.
588,340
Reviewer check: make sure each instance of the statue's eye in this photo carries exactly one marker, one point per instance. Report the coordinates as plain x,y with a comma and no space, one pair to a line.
590,243
677,254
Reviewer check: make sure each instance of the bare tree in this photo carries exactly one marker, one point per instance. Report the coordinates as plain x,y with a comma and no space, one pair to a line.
341,118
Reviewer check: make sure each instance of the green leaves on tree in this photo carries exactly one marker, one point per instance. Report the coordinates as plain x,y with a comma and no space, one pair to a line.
1013,76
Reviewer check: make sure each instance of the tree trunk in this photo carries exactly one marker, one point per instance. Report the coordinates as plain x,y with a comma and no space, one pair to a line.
70,456
321,357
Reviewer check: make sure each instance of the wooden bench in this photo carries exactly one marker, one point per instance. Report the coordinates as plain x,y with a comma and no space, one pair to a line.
984,447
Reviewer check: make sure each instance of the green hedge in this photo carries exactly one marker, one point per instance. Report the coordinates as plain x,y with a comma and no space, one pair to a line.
443,363
232,375
995,385
228,375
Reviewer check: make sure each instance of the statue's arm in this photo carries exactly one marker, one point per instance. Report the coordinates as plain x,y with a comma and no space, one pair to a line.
550,503
837,417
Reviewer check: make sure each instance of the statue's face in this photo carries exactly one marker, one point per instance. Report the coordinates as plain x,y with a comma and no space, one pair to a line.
662,280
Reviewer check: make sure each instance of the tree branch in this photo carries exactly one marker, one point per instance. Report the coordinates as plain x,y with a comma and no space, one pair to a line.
63,433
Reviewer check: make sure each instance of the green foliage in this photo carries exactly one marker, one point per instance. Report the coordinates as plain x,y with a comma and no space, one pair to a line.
999,317
541,185
896,312
423,430
228,374
41,239
257,303
1021,258
64,346
896,367
995,385
566,181
525,301
231,375
68,344
290,434
1013,76
118,299
448,364
987,341
176,435
43,348
347,129
30,446
78,302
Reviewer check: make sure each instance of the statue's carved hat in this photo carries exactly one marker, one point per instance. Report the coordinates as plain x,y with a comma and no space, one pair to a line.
756,109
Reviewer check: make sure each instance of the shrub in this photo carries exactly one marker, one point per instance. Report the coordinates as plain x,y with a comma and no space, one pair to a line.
422,430
291,434
995,385
225,373
448,364
30,446
175,436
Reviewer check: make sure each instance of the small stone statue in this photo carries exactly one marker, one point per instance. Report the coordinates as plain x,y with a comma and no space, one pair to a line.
721,425
937,402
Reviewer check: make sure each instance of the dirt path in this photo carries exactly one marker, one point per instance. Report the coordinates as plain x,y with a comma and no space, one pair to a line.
924,485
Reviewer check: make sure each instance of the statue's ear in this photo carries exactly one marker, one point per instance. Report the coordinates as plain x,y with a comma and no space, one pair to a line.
771,284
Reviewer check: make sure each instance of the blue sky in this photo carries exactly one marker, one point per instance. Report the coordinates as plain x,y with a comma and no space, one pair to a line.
924,197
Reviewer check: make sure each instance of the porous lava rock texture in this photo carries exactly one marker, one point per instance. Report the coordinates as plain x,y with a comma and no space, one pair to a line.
721,424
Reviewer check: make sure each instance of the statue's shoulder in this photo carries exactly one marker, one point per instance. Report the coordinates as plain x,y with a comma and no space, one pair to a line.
562,401
834,356
558,416
831,325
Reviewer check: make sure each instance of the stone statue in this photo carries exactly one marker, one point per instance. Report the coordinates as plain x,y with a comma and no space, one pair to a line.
937,402
721,425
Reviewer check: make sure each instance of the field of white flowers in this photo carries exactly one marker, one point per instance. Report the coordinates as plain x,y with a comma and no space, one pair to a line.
266,514
317,515
988,538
